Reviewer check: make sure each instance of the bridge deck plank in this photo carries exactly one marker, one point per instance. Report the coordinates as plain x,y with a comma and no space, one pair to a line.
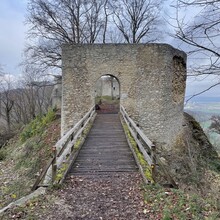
105,150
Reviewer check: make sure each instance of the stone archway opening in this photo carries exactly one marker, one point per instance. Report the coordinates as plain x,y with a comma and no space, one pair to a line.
107,95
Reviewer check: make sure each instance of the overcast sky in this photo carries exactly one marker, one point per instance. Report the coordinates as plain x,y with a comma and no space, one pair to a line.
12,41
12,34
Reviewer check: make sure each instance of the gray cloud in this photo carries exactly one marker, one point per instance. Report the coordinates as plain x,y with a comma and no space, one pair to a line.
12,34
198,84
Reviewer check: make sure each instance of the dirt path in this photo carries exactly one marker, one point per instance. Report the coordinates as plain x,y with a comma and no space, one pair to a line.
113,197
118,196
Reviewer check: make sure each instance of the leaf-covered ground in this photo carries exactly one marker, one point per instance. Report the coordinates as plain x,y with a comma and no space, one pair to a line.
118,197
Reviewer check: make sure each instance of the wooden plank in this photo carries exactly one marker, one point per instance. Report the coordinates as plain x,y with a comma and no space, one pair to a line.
75,153
102,153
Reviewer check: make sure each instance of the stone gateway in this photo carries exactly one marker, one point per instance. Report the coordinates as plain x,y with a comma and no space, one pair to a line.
152,79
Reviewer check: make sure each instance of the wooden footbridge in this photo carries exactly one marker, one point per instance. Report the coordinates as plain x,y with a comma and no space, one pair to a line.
98,146
105,150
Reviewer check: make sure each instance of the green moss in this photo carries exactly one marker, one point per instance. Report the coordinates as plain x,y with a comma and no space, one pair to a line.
77,144
80,139
148,174
146,167
60,172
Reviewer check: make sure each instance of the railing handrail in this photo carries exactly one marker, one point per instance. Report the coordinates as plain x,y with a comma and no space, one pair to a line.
137,129
60,147
138,135
150,155
61,144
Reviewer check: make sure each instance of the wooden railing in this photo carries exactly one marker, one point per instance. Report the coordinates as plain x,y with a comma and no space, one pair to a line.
62,149
145,146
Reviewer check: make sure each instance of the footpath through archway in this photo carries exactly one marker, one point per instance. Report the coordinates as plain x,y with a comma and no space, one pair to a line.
107,95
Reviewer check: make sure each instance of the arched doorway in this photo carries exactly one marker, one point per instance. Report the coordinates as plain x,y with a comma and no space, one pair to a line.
107,95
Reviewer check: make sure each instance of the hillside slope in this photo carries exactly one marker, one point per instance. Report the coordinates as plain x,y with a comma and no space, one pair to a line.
23,158
193,163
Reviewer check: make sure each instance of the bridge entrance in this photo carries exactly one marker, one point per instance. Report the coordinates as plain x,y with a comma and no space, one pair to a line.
107,95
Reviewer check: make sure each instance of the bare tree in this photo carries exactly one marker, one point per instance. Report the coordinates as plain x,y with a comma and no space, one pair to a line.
137,20
7,100
20,109
36,92
21,101
55,22
201,34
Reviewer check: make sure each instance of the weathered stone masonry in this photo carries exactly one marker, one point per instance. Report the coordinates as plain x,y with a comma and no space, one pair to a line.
152,84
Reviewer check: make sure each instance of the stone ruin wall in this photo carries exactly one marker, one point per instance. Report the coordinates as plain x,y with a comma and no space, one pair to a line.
152,84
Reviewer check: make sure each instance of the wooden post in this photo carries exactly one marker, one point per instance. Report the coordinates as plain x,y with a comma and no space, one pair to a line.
54,164
137,134
153,165
72,148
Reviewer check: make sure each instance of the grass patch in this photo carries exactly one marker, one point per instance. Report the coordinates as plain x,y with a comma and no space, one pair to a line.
14,190
29,210
37,125
176,204
30,160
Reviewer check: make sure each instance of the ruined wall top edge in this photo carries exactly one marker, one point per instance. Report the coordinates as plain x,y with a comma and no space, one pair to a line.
154,46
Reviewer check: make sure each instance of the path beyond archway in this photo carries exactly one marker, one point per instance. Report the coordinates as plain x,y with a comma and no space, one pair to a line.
107,95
